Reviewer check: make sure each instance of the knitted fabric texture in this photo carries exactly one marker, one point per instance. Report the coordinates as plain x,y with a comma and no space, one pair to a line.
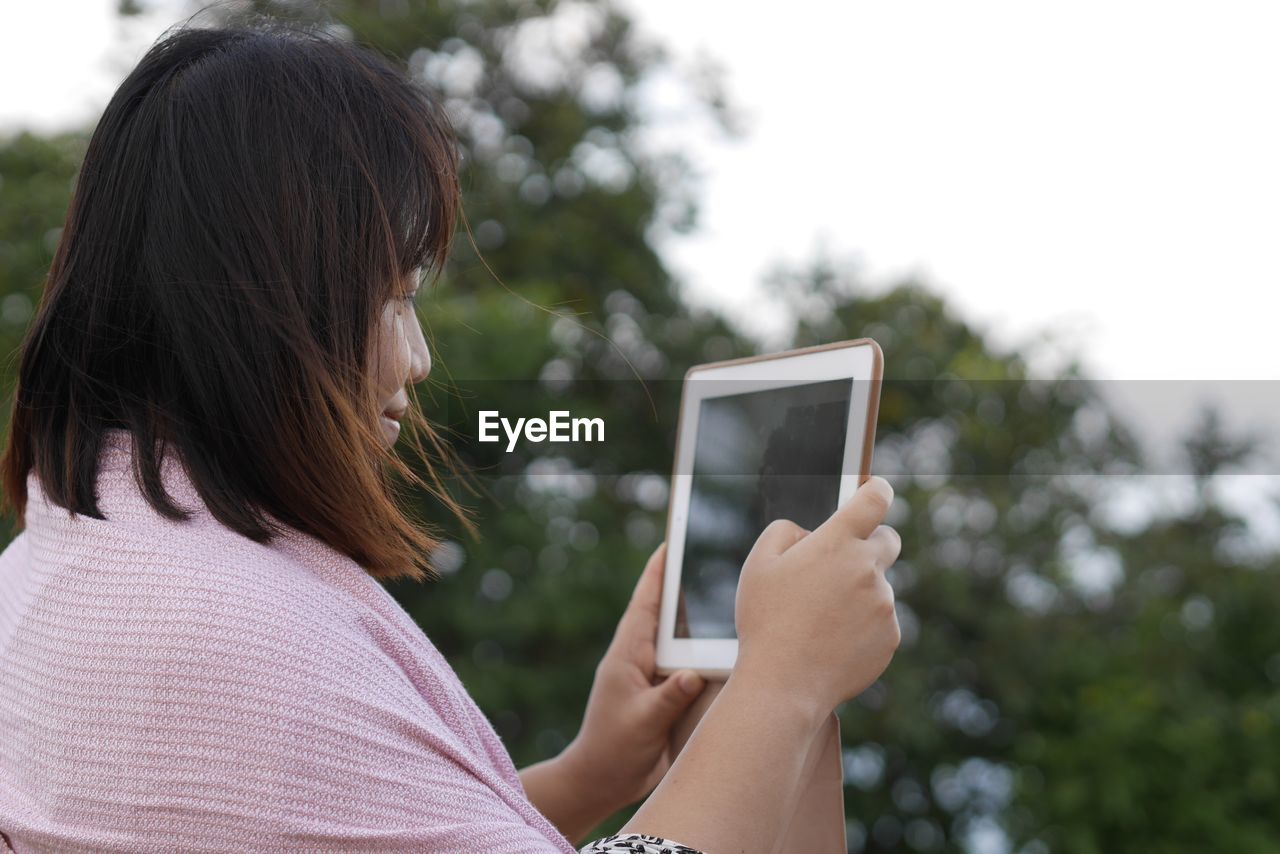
173,685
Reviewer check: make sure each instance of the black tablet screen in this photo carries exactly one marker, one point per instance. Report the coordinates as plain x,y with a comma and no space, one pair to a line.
759,456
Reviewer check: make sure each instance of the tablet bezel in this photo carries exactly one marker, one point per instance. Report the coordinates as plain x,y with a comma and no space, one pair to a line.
858,359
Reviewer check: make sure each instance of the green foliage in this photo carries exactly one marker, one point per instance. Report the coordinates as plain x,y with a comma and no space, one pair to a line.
1136,714
36,178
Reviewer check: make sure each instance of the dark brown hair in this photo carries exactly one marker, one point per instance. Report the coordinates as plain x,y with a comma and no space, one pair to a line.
251,198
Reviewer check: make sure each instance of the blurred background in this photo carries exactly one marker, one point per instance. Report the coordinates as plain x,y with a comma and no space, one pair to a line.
1058,221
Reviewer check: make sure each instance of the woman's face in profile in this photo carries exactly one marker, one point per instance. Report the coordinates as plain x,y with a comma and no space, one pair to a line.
401,357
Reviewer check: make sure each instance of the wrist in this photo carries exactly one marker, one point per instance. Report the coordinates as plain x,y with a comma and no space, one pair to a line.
559,790
757,686
587,775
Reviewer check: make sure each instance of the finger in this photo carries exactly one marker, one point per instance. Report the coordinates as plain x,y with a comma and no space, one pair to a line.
777,537
886,545
640,621
649,586
860,515
668,700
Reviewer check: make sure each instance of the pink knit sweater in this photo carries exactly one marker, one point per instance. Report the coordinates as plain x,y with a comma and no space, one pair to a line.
168,685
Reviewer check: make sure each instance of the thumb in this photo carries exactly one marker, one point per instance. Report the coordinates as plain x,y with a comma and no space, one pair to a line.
777,537
675,694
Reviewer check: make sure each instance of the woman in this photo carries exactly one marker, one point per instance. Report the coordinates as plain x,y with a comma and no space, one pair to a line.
195,651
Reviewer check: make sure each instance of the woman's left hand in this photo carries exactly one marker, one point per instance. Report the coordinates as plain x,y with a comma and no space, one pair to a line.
622,750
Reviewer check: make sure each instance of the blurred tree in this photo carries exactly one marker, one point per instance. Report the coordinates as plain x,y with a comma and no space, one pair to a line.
36,178
1064,683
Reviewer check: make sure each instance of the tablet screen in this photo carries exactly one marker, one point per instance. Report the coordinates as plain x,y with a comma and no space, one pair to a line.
759,456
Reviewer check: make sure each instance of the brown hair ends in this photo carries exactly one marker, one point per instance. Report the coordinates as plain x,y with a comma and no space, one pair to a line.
250,199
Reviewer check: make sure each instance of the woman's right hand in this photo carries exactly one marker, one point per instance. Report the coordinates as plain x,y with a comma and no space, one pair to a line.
814,613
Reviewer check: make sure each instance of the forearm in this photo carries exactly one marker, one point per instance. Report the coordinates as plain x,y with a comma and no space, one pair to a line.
730,788
553,786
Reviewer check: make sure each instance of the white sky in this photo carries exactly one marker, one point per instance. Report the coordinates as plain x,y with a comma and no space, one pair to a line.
1101,171
1109,168
60,60
1106,173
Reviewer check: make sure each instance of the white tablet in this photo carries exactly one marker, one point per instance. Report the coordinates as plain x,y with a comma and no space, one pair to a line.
783,436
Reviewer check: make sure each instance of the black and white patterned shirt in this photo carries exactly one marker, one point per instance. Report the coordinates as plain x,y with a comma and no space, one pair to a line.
636,843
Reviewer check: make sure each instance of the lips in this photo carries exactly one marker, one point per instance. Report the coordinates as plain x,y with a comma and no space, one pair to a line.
390,427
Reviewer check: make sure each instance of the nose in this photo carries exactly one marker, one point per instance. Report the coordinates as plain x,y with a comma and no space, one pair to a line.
420,355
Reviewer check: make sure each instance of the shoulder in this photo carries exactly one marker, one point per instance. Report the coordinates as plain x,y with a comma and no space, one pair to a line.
198,609
254,612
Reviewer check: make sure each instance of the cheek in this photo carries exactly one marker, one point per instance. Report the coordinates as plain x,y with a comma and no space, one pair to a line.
385,353
403,360
396,354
